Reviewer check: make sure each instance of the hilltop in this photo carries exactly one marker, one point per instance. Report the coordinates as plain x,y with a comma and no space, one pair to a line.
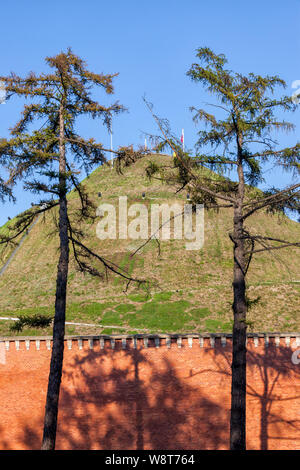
187,290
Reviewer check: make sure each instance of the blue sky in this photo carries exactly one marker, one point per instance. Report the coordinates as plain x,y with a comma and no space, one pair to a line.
151,45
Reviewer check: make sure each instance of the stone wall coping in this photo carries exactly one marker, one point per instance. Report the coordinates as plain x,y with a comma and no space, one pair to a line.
150,336
131,340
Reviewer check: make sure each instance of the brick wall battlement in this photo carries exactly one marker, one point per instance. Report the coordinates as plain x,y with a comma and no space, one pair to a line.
150,391
150,340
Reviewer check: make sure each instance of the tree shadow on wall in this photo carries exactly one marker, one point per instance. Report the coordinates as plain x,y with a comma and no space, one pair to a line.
274,373
136,399
107,404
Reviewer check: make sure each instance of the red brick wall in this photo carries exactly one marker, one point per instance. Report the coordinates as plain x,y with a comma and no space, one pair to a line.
149,397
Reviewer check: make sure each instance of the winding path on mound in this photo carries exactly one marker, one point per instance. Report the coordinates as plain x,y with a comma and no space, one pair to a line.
3,269
86,324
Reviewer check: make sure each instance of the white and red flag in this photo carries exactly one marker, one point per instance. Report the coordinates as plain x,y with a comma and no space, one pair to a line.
182,138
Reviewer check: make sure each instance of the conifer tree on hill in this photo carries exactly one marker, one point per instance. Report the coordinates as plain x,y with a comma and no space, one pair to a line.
49,158
241,141
5,185
5,190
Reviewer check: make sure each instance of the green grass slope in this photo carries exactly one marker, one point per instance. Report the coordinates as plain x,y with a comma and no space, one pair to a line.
189,291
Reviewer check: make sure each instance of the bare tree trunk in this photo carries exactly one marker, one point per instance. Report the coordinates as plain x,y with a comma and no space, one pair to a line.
238,384
238,381
51,409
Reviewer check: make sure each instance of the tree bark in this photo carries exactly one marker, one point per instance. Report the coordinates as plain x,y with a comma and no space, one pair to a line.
238,383
51,408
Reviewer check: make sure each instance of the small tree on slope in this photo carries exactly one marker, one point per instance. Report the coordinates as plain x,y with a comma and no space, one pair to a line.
240,141
56,152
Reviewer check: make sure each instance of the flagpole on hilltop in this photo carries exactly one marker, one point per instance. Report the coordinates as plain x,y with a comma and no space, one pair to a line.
111,148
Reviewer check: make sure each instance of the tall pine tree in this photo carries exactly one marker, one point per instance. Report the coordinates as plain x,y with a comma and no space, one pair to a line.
50,157
239,140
